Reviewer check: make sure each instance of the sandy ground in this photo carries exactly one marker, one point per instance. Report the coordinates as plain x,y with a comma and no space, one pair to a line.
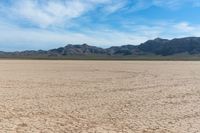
99,97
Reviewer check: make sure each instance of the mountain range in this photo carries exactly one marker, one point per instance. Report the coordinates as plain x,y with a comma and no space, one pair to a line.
162,48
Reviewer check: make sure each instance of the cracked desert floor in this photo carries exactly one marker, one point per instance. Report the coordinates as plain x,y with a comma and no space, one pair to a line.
99,96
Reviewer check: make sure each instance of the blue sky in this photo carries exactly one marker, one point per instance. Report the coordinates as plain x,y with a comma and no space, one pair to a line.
45,24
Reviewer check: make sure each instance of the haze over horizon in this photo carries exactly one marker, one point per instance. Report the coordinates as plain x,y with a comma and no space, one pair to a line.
45,24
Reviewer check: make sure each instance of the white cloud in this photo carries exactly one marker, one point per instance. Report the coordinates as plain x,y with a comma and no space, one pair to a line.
48,14
175,4
172,4
55,12
184,26
114,6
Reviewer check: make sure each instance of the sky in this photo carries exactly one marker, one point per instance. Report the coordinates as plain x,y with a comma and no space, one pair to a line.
46,24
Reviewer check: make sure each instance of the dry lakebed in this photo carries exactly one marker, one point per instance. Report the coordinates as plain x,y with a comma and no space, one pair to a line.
51,96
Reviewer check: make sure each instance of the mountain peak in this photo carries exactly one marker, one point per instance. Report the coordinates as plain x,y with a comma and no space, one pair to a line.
85,44
160,39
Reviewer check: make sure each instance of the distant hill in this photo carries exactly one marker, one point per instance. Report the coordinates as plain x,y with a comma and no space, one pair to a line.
158,46
162,48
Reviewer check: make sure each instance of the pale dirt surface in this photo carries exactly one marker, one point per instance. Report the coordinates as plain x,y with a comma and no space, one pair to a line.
99,97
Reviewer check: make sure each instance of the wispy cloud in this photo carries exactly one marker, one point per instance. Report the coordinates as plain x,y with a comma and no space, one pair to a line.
114,6
60,12
55,12
184,26
48,13
34,24
176,4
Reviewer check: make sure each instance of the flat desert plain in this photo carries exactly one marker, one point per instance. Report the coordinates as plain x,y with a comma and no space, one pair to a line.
99,96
